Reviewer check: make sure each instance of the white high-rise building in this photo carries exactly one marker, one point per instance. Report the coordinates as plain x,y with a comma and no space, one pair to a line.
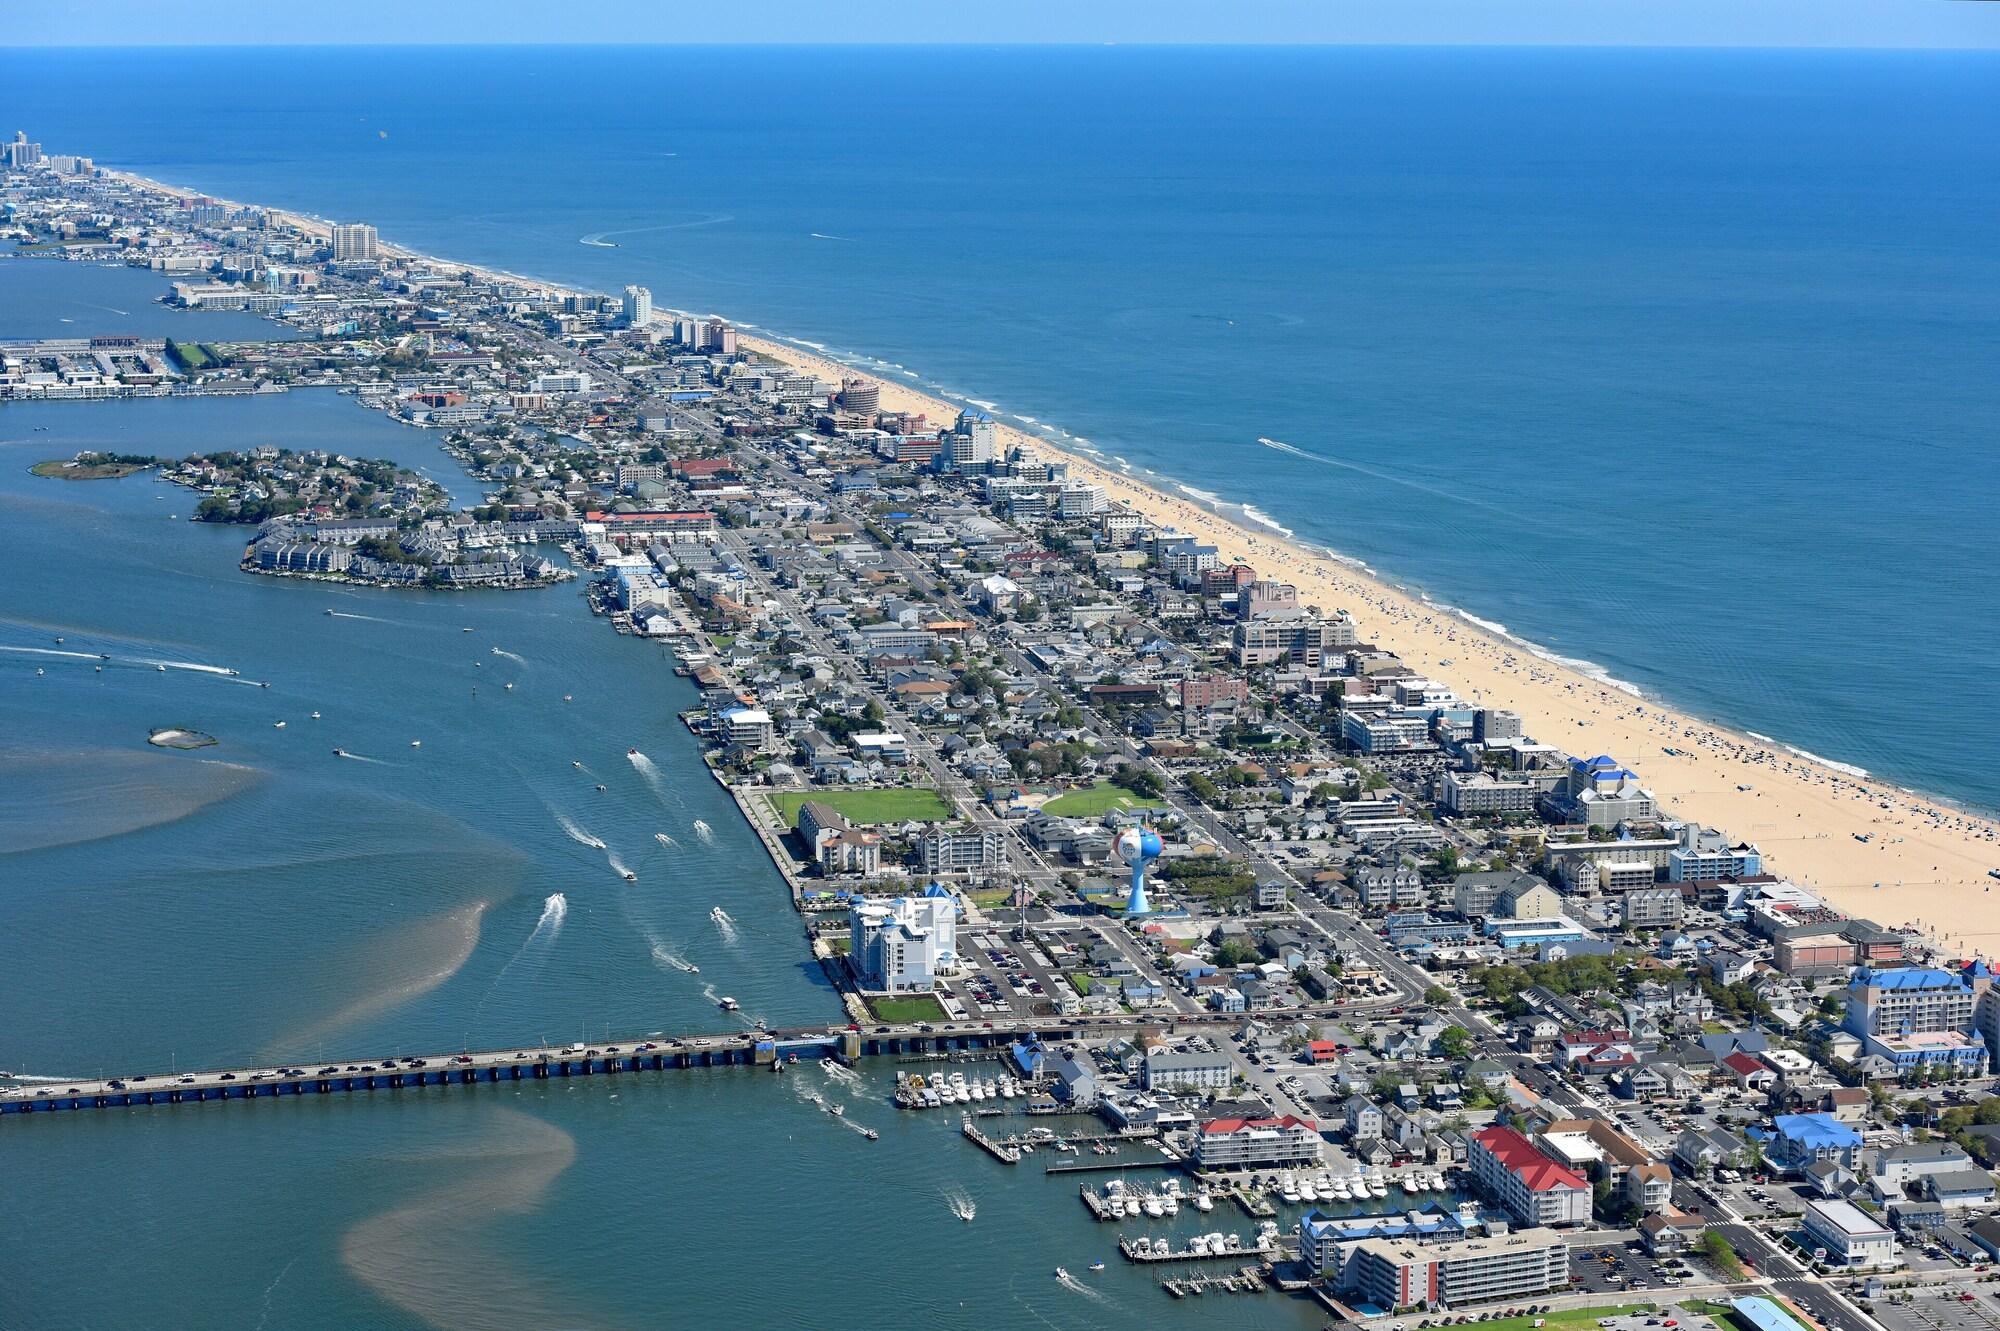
973,441
904,946
353,242
638,307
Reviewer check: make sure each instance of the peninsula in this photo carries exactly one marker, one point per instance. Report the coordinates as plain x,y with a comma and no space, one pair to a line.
1302,888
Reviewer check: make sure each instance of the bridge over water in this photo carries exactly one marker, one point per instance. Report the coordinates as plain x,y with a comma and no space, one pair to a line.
539,1063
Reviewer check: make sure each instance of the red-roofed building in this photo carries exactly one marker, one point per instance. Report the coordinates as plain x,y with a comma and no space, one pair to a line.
1532,1187
1323,1051
1257,1143
1575,1044
1751,1073
629,529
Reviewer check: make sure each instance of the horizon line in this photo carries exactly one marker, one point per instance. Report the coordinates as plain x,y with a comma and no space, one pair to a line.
1006,43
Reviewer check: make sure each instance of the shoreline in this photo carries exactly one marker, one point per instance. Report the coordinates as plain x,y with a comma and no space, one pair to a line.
1924,855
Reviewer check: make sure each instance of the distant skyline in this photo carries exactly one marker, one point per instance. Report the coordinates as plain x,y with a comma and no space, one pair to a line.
1920,24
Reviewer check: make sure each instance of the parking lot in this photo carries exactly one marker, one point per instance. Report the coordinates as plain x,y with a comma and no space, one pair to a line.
1602,1267
1953,1310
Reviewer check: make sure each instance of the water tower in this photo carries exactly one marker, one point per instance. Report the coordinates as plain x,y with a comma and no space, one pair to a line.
1138,847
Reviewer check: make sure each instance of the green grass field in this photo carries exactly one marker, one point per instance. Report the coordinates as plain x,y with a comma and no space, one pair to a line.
1569,1319
1096,801
916,1007
868,806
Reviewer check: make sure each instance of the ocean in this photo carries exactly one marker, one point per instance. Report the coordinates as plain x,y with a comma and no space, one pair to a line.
1679,363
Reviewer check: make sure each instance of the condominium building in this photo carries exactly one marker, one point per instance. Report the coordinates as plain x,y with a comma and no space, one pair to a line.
905,945
1257,1143
1195,1069
1475,793
1302,639
941,850
1407,1273
1705,855
1385,732
1651,908
1532,1187
972,440
638,307
353,242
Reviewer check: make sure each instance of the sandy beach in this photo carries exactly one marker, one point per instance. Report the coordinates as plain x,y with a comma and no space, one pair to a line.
1924,865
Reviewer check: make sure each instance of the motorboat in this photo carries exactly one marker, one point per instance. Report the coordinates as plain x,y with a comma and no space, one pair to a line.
727,1004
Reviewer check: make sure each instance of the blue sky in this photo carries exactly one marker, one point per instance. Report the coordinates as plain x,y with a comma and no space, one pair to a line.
1851,23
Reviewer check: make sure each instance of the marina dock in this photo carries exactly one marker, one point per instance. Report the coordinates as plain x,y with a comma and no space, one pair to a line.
1144,1252
1006,1155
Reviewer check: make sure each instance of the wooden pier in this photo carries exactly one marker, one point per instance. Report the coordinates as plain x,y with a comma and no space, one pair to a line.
1005,1154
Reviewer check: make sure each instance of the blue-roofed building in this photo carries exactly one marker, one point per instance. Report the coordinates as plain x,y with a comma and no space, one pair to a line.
1919,1014
1803,1140
1030,1056
1760,1314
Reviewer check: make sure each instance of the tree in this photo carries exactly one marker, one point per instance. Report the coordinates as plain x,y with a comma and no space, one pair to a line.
1437,995
1722,1254
1454,1041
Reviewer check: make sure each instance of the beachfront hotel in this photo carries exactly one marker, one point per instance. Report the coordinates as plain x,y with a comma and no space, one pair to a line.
1918,1015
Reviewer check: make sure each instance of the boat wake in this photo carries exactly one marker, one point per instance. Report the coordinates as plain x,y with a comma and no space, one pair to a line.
603,239
664,956
821,235
1070,1282
649,772
618,866
1280,446
540,938
358,758
578,835
501,651
960,1204
666,841
343,614
708,992
704,831
51,651
191,665
724,923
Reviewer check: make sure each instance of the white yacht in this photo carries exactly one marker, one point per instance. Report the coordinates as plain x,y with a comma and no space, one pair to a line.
1203,1202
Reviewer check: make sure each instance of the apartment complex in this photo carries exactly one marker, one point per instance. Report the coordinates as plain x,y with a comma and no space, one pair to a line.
1530,1186
1257,1143
1406,1273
